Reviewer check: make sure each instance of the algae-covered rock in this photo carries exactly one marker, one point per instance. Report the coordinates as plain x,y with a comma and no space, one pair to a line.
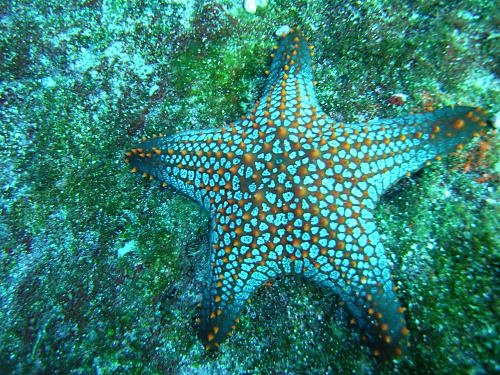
102,271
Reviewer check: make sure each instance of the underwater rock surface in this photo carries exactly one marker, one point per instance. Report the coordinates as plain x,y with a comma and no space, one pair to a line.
100,273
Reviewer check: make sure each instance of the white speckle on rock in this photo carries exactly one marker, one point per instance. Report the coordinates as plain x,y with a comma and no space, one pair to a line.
496,120
48,82
401,96
250,6
128,247
153,89
283,30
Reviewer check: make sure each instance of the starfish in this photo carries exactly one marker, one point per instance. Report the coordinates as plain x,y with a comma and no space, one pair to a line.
291,191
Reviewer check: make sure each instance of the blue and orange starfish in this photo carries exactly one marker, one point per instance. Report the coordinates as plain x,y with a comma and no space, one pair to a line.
291,191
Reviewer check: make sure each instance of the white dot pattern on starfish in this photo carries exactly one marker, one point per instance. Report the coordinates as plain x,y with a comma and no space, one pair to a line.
290,191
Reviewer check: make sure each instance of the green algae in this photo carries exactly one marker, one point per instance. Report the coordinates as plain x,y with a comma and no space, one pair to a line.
215,89
444,268
80,84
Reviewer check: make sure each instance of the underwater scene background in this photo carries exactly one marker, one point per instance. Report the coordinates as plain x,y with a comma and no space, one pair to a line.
102,271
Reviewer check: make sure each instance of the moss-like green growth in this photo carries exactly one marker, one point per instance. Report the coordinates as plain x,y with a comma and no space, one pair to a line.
209,78
442,232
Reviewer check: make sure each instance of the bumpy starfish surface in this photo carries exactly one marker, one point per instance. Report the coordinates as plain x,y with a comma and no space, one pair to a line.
291,191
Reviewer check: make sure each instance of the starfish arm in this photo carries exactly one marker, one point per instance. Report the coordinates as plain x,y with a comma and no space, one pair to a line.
394,148
379,314
196,163
240,265
292,59
289,93
223,302
359,272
